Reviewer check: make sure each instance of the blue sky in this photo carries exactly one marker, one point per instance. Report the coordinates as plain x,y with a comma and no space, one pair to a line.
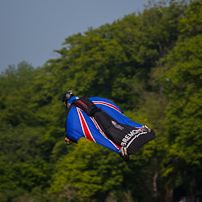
31,30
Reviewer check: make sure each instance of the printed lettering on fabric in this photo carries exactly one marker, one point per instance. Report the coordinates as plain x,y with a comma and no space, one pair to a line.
116,125
132,134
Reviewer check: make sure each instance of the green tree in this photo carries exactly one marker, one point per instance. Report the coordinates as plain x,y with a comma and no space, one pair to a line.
14,83
182,85
90,169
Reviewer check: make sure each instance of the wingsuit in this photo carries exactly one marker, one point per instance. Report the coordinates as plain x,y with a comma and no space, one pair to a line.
101,121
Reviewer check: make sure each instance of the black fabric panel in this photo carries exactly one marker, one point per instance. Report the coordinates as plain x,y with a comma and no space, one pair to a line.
116,134
104,120
140,141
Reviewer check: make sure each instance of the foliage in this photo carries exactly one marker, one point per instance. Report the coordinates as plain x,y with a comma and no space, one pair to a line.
149,64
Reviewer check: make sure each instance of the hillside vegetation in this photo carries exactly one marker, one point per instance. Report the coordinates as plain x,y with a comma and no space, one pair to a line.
149,64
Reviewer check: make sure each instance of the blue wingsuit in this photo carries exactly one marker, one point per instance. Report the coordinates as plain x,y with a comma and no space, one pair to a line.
79,124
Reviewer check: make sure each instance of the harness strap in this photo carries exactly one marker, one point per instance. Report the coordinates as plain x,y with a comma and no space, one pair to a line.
86,105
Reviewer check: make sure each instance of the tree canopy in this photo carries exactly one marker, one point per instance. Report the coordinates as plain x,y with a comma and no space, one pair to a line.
149,64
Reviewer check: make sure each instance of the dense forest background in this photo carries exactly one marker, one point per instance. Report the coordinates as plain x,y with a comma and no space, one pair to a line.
150,64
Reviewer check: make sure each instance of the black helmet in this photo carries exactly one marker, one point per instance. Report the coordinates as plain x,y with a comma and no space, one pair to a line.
67,96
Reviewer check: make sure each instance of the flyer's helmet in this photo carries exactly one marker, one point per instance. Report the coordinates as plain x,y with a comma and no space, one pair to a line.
67,96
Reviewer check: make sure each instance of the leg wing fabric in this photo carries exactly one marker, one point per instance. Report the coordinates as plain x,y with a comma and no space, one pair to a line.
119,128
124,135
